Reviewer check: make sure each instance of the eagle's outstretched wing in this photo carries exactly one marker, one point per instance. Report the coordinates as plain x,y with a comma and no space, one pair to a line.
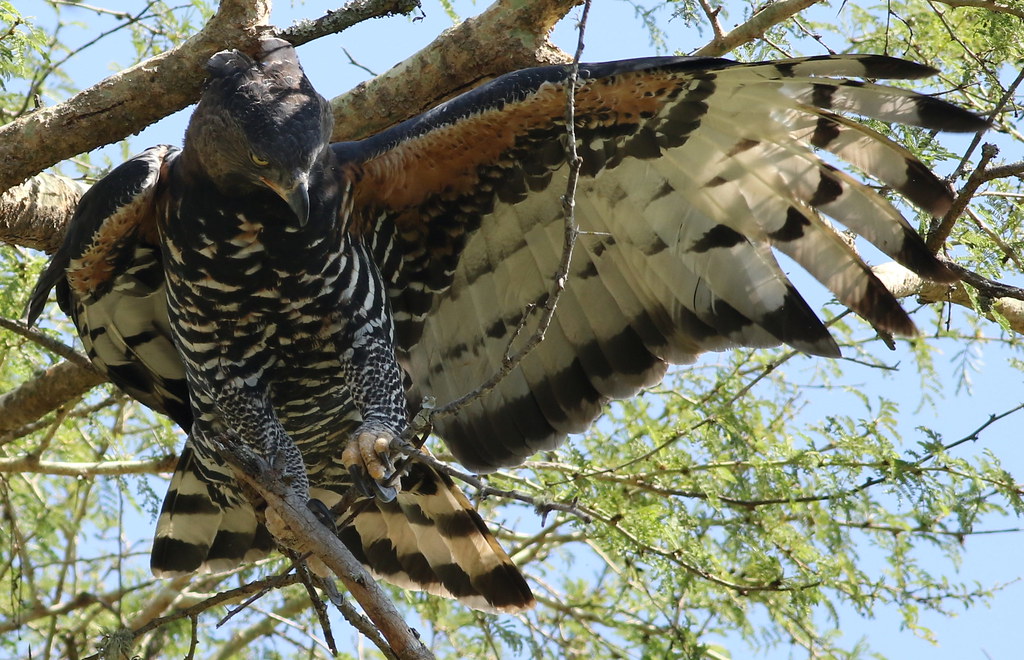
694,171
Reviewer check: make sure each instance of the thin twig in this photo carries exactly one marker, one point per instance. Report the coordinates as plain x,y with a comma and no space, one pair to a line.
937,236
353,62
1007,251
318,604
336,20
1006,98
712,15
193,642
47,342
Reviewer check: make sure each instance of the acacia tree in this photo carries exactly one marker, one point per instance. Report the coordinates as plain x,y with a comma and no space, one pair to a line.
746,501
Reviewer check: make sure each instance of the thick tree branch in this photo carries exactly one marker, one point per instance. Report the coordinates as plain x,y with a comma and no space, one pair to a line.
34,213
904,283
509,35
53,388
328,548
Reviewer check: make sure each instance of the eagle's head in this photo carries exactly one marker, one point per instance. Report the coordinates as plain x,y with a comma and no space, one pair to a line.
260,125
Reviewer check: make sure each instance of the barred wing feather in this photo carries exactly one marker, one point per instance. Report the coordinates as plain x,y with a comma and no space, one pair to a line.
694,172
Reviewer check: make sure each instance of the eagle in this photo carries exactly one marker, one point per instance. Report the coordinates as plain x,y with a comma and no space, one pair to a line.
268,289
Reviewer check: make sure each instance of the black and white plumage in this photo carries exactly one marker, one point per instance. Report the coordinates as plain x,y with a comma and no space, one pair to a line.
218,284
294,277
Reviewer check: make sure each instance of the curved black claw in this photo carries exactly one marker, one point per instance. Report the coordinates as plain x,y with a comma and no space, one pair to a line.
389,466
370,487
323,514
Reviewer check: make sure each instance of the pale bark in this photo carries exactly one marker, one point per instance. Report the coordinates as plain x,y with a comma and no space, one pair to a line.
401,639
53,388
509,35
35,213
755,27
903,283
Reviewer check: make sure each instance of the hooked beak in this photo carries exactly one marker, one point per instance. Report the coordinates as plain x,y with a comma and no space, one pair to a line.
296,196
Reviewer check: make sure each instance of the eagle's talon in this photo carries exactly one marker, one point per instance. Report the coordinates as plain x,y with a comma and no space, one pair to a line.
359,480
323,514
388,466
371,487
384,493
368,457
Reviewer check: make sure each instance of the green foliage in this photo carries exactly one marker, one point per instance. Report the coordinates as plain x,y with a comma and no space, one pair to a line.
17,39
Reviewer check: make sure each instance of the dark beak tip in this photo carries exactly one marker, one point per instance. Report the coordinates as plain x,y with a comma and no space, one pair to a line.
298,200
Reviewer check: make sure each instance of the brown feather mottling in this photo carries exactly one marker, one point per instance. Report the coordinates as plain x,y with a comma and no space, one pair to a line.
99,262
409,174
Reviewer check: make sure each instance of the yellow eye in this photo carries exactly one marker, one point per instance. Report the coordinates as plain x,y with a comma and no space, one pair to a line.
258,161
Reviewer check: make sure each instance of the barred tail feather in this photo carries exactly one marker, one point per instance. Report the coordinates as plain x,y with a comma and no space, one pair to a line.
205,525
431,539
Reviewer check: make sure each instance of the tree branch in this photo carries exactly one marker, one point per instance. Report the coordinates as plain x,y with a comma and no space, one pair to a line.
53,388
49,343
113,108
506,37
937,236
327,547
904,283
295,603
334,21
171,592
32,464
34,213
755,27
79,601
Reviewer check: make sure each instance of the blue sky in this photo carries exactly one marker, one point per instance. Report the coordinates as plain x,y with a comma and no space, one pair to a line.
614,33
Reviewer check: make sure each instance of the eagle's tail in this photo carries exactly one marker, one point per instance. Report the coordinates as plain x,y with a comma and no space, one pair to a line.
430,538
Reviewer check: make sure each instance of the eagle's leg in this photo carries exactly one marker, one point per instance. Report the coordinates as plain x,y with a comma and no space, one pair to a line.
249,419
375,382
